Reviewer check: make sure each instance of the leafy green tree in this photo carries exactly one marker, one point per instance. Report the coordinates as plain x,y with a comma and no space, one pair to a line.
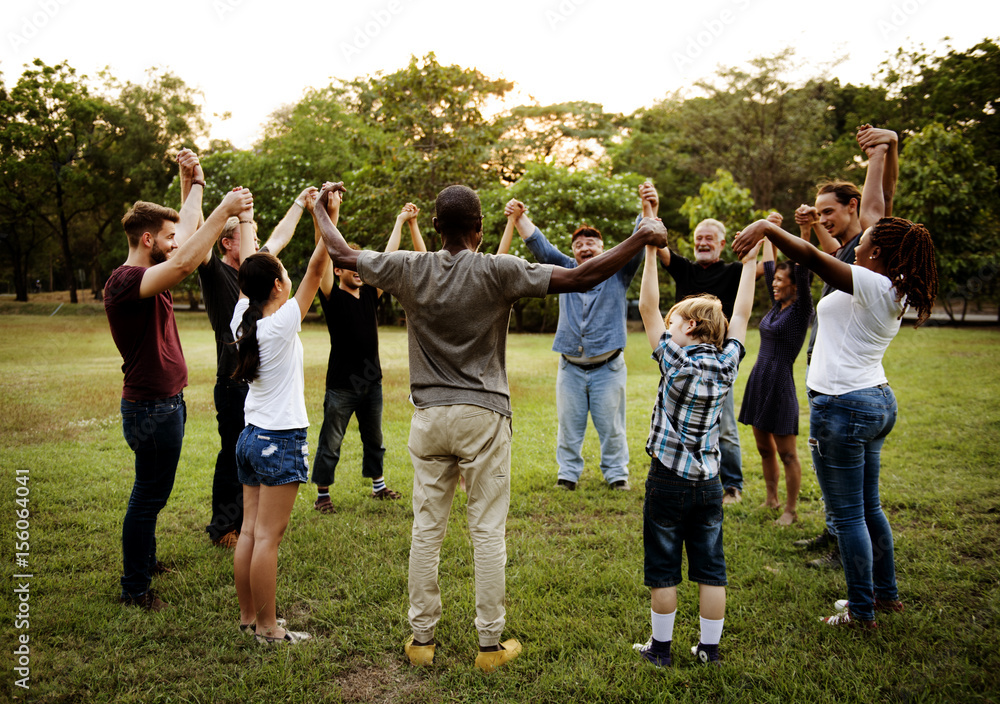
724,200
560,200
75,156
571,134
944,186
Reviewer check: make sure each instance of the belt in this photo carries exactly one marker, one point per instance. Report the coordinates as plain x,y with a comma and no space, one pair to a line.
595,365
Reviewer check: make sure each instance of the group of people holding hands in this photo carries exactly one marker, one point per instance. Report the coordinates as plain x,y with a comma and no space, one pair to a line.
458,303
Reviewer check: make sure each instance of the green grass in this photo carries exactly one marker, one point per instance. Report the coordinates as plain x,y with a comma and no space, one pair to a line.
575,597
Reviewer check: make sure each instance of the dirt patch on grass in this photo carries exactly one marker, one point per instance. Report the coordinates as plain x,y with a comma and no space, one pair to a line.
379,685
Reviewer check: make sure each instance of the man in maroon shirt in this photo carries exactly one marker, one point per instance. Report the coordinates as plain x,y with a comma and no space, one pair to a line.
140,312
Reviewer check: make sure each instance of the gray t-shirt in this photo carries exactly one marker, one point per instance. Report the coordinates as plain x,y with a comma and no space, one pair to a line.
457,314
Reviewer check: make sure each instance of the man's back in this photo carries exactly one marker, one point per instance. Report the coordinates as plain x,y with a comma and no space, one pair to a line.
458,310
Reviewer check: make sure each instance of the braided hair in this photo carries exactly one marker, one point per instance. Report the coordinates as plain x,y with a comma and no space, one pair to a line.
256,278
908,256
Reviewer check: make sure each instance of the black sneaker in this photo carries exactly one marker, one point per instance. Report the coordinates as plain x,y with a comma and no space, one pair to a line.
566,485
823,541
656,659
707,654
830,560
620,485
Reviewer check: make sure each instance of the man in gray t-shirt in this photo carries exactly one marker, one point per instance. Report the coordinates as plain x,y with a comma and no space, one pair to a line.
458,305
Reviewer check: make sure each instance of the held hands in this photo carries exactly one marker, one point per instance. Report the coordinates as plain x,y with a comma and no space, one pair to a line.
190,166
308,197
238,201
331,195
514,209
874,140
806,216
750,238
649,196
751,256
775,218
409,212
654,231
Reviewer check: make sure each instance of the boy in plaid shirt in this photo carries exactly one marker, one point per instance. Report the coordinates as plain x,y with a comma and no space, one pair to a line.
698,352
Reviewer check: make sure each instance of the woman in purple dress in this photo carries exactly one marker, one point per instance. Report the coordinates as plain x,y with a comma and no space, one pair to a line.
769,403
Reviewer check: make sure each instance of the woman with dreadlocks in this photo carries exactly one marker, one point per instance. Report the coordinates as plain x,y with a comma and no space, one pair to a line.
272,457
852,407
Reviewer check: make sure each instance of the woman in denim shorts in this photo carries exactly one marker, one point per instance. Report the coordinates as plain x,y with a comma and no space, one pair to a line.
852,407
272,457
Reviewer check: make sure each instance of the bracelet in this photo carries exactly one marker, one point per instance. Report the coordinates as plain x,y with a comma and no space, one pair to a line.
195,182
300,204
246,222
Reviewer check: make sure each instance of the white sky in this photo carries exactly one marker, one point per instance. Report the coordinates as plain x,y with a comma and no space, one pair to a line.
249,57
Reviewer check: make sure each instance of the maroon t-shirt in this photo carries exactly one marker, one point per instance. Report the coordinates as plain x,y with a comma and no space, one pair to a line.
146,335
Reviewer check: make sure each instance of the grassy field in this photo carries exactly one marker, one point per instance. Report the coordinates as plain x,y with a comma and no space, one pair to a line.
575,597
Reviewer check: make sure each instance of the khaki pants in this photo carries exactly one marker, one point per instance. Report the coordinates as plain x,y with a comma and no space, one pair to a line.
444,440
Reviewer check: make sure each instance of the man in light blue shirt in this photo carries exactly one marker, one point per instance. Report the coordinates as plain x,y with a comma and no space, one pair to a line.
590,338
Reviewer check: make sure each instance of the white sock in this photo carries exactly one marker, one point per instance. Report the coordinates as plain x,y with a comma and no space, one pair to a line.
663,625
711,631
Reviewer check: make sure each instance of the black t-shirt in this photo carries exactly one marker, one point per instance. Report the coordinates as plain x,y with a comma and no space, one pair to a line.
719,279
353,327
221,288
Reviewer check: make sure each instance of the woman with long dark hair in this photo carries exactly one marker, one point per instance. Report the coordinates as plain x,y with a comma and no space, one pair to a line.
853,408
770,404
272,455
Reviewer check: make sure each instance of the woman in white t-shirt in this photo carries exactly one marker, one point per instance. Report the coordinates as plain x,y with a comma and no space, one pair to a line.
852,407
272,456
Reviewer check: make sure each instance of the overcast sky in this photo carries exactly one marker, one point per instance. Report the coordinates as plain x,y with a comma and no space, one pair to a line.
249,57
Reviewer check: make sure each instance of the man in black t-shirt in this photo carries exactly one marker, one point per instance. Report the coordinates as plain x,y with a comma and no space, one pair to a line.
709,274
354,373
220,288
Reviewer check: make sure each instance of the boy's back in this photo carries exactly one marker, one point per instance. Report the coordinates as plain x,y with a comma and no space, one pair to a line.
684,430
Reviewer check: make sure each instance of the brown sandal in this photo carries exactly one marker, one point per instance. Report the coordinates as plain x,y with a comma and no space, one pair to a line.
324,505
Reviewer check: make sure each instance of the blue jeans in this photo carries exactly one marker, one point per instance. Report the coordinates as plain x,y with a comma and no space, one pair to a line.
365,402
730,462
154,430
272,457
227,492
682,514
601,392
847,433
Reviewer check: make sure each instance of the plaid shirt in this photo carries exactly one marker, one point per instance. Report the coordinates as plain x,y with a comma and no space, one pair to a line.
684,430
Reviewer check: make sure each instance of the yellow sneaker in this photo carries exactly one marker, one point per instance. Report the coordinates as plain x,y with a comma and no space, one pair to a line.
422,655
491,660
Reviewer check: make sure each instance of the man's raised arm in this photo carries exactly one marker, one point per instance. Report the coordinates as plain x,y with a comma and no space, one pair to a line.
192,192
594,271
192,252
342,255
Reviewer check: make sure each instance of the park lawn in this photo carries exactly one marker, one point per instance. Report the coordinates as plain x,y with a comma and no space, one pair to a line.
575,597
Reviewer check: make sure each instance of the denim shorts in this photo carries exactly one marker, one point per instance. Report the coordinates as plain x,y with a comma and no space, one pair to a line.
678,512
272,457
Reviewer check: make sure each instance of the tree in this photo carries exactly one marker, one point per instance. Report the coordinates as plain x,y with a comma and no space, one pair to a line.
724,200
571,134
74,158
943,186
775,138
559,201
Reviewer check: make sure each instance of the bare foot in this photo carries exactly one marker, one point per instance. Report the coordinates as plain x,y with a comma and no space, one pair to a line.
787,518
770,503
